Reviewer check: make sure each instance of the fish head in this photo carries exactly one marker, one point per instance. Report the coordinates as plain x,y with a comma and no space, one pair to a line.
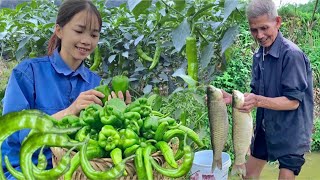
214,92
237,99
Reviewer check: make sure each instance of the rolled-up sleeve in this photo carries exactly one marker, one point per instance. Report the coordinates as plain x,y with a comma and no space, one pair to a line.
19,91
294,76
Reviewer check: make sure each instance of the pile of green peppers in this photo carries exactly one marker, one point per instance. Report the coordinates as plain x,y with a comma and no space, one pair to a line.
117,131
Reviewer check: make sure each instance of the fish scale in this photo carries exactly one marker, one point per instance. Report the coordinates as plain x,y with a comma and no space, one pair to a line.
219,125
242,129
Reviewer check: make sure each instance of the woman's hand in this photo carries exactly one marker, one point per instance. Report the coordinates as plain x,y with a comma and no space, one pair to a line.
120,96
88,97
84,99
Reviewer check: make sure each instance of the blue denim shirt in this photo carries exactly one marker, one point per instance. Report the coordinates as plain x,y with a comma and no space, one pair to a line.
284,71
47,84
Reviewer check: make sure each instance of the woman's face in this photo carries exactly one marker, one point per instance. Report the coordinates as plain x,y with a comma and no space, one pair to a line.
78,37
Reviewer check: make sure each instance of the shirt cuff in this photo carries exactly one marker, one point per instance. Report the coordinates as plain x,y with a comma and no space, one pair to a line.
294,95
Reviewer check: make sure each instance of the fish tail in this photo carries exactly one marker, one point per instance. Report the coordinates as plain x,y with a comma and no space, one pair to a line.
213,166
217,163
239,170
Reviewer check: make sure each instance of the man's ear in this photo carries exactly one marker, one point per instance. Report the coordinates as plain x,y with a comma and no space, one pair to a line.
58,31
278,22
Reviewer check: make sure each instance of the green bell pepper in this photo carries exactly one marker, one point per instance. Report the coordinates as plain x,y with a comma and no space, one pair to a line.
104,89
82,134
171,121
110,116
140,102
70,121
109,138
132,120
90,115
127,138
141,106
120,83
150,125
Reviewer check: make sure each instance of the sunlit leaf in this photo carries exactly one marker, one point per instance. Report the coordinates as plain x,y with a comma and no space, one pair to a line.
111,58
179,4
125,54
177,90
229,6
214,25
229,37
137,7
147,89
138,39
180,73
20,53
24,41
206,55
3,34
200,99
180,34
163,76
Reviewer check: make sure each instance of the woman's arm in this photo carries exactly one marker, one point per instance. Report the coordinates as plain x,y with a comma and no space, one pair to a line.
86,98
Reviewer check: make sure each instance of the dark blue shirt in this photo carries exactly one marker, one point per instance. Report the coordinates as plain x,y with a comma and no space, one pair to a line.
284,71
47,84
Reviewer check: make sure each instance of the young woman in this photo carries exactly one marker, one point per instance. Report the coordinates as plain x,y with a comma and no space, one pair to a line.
58,84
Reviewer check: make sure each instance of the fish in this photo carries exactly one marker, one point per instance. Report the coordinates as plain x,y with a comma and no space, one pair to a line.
219,124
242,130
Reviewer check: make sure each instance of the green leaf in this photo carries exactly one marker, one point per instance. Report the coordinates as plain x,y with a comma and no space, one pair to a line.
179,4
21,5
227,55
137,7
229,6
147,89
206,55
117,103
24,42
214,25
180,73
125,54
3,34
180,34
48,25
229,37
20,53
111,58
199,98
157,104
138,39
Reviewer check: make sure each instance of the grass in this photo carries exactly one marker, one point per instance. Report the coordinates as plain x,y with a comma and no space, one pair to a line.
5,71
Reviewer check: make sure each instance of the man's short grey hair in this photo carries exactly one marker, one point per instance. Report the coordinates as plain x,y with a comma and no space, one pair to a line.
258,8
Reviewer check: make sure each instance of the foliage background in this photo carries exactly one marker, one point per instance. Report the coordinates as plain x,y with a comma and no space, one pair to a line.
224,62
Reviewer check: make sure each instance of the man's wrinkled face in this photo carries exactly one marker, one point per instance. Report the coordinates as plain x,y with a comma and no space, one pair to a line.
265,29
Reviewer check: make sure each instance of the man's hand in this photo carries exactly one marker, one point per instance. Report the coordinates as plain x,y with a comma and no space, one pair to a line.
120,96
226,97
250,102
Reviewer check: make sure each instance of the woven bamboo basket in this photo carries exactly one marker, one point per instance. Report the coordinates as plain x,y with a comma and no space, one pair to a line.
101,164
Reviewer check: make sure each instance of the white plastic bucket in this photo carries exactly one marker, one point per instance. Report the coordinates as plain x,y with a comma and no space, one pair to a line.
201,166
